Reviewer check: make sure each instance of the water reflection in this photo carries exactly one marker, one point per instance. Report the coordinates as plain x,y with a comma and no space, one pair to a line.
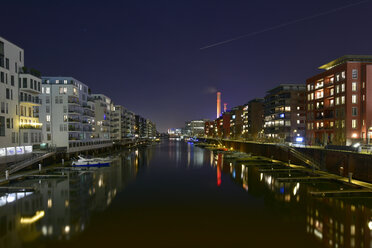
182,194
333,222
62,208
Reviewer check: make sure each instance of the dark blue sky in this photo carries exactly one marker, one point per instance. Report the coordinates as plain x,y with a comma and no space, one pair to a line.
145,54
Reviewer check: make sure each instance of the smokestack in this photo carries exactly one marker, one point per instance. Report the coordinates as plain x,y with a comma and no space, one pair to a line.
224,107
218,104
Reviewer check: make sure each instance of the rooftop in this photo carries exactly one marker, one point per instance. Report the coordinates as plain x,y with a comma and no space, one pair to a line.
346,58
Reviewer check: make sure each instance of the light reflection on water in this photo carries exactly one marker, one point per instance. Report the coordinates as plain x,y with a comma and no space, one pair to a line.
249,205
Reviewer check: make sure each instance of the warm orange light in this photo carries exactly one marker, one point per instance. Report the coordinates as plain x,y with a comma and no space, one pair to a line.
354,135
218,104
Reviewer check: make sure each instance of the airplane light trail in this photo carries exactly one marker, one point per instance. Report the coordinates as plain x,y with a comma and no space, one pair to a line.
283,25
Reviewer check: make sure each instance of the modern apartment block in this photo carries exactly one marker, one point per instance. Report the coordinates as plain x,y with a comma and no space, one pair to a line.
67,114
104,107
123,123
140,130
222,125
236,122
339,102
285,113
210,129
20,128
195,127
253,119
151,129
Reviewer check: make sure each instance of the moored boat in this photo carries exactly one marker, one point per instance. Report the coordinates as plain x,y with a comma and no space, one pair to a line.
91,162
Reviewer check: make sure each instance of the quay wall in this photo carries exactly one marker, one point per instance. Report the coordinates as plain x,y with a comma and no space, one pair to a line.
332,161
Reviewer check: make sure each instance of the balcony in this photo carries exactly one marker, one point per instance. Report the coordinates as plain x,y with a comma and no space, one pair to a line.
73,100
73,129
30,126
73,120
30,99
86,106
74,111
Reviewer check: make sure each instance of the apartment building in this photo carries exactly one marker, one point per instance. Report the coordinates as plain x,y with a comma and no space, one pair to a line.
285,113
104,108
339,102
195,127
236,122
20,128
67,113
253,119
123,123
222,126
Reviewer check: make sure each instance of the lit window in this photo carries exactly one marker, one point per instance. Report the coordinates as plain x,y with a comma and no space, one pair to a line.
343,75
337,100
354,98
354,86
48,118
287,108
337,89
353,123
65,81
57,81
47,90
342,87
342,99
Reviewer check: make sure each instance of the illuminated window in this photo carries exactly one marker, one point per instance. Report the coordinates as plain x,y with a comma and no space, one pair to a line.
343,75
353,123
337,100
65,81
354,98
47,90
354,86
337,89
342,99
331,91
57,81
342,87
48,118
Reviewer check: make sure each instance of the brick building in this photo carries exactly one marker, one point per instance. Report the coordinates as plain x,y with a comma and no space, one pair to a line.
339,102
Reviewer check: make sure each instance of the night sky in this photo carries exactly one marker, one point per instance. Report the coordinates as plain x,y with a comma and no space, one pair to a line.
146,55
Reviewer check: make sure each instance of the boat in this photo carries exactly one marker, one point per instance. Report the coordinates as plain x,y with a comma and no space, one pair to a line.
91,162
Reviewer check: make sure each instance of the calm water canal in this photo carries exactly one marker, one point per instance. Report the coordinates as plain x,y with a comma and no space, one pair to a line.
177,195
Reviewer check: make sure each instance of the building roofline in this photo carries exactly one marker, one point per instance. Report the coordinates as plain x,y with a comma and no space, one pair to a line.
281,85
346,58
11,43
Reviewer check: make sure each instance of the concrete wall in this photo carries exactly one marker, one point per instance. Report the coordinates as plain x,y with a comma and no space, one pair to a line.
335,162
